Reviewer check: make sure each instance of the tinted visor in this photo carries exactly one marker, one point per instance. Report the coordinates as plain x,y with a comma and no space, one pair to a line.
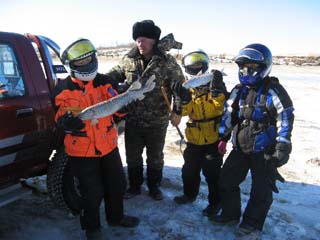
80,50
249,55
248,71
194,69
193,58
87,68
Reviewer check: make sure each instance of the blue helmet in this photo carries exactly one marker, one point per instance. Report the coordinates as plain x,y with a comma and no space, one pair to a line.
258,54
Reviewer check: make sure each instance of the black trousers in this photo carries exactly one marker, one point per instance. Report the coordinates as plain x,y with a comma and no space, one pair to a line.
100,178
136,139
207,159
234,171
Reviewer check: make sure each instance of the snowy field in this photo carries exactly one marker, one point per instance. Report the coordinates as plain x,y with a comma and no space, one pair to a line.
295,213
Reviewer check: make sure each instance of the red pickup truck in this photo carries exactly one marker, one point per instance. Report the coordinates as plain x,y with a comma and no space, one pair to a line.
29,68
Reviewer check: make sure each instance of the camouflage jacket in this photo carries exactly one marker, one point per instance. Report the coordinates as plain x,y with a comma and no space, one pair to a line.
152,111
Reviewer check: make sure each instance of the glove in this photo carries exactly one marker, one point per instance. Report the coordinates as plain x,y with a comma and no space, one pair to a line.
222,147
217,85
181,92
272,174
175,119
117,118
71,124
122,87
281,154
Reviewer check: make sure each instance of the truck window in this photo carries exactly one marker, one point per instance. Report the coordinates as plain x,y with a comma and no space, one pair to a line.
50,56
11,80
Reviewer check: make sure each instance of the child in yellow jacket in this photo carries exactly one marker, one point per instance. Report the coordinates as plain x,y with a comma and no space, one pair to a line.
204,105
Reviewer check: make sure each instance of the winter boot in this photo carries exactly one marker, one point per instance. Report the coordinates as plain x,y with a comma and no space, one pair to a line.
222,219
247,232
156,193
154,177
184,199
135,176
127,221
132,191
211,210
94,235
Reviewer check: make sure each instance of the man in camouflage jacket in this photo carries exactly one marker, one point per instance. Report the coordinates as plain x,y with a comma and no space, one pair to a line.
147,120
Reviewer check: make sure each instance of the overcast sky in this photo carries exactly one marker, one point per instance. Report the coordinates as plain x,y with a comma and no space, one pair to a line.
285,26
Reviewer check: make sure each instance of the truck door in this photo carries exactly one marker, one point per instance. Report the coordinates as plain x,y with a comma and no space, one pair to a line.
21,123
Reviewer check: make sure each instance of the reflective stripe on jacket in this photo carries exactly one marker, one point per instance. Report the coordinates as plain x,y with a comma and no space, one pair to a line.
204,113
73,95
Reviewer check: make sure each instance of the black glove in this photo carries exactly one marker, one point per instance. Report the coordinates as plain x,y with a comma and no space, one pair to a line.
122,87
281,154
217,85
181,92
71,124
117,119
272,174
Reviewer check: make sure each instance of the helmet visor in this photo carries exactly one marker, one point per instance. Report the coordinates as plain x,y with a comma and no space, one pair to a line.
80,50
194,57
249,69
194,69
249,55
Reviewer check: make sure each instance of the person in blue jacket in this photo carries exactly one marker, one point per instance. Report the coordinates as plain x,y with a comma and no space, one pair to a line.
259,119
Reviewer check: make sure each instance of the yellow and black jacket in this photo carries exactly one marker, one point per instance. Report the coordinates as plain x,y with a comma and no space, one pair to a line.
204,113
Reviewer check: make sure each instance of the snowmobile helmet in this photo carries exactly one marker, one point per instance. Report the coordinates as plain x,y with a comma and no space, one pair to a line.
80,50
255,63
195,62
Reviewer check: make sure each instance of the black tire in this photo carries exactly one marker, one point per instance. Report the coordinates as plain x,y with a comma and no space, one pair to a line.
62,185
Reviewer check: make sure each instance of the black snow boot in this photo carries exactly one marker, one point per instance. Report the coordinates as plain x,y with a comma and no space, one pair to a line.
154,177
127,221
222,219
94,235
211,210
184,199
247,232
156,193
132,191
135,176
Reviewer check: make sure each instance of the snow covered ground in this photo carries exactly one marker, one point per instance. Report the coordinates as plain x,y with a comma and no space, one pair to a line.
295,213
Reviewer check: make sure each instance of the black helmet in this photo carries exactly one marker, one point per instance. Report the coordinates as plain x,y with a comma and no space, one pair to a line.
196,61
78,50
257,54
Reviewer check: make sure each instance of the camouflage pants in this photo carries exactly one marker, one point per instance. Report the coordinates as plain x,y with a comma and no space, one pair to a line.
136,139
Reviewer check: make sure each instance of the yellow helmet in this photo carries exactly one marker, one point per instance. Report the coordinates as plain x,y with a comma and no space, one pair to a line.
77,50
196,61
81,49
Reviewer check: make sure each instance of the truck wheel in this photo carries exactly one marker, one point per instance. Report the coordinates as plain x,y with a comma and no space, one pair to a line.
62,185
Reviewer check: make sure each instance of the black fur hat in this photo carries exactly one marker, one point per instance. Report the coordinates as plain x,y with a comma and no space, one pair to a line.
146,28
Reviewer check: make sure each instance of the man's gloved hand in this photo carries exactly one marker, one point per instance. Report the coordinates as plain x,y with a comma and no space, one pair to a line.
181,92
71,124
222,147
217,85
281,154
272,174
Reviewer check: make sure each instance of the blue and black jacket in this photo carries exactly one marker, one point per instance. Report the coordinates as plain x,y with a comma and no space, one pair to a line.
258,117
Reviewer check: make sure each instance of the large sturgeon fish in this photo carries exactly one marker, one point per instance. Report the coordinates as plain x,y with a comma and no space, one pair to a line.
200,80
112,105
